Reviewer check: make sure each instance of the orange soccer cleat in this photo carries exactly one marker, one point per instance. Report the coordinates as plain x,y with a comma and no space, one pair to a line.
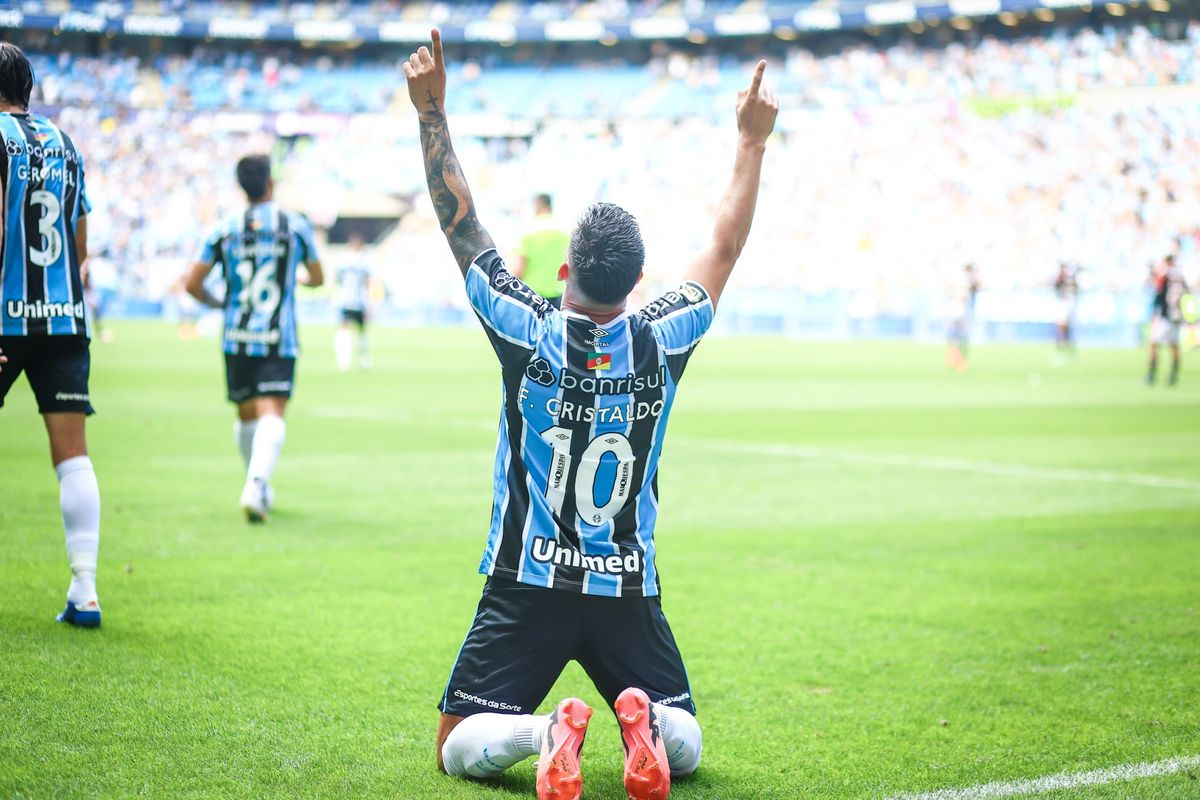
647,773
558,775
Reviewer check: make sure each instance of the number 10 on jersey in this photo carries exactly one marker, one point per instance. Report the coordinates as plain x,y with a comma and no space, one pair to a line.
585,478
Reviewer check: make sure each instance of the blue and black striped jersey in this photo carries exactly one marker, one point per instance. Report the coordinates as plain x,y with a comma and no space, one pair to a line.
258,252
44,197
585,412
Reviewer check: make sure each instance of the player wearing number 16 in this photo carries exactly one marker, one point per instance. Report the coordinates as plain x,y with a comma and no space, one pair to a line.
259,250
570,557
44,327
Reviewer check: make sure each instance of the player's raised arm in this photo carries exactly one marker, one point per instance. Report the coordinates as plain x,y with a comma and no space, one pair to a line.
756,111
426,73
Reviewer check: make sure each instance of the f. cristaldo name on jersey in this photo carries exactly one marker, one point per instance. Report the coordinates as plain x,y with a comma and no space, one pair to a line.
19,309
566,411
549,551
252,337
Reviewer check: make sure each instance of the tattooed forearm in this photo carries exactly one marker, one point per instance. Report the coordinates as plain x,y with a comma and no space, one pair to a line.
449,191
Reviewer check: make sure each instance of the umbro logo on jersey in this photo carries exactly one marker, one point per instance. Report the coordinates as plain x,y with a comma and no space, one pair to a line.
598,337
539,372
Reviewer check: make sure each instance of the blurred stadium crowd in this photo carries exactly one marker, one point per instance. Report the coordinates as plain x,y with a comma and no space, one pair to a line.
895,165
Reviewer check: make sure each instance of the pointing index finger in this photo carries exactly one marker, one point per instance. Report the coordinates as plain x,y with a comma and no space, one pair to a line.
756,81
438,58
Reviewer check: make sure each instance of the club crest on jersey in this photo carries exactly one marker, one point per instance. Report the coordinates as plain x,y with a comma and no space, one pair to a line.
691,293
598,361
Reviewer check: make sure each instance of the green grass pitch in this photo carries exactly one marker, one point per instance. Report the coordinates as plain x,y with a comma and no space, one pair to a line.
886,578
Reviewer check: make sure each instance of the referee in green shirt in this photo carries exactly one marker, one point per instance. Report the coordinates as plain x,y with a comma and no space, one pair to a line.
542,253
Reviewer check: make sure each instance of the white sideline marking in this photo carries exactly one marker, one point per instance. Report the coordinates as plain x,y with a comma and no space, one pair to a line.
948,464
1050,783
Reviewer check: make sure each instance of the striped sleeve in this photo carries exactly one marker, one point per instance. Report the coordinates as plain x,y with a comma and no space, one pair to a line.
85,205
513,315
304,232
679,319
210,248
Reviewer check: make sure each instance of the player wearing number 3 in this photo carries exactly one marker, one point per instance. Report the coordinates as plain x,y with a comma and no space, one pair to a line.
259,251
570,556
44,325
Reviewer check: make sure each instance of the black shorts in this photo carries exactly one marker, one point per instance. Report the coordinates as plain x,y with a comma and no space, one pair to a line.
523,636
57,367
258,376
355,315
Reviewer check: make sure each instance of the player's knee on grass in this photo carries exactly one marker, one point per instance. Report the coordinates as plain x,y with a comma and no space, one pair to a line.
681,738
484,745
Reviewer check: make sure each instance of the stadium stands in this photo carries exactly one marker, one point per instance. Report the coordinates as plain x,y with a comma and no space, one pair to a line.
895,165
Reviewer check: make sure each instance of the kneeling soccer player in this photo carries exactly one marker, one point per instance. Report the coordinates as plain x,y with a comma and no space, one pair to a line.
570,556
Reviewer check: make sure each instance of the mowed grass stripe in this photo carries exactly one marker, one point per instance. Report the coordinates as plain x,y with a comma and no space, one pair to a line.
947,464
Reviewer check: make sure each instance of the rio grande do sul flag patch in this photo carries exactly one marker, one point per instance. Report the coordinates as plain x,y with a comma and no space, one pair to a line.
599,361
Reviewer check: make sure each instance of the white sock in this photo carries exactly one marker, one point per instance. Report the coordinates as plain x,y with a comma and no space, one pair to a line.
343,347
681,737
268,441
243,434
79,497
363,354
484,745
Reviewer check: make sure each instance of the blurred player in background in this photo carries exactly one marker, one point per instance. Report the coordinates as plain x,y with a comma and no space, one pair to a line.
353,282
587,393
1066,289
962,316
1167,321
542,251
258,250
100,283
44,329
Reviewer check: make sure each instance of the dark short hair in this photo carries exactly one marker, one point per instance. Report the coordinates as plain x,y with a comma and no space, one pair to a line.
606,253
545,201
16,75
254,174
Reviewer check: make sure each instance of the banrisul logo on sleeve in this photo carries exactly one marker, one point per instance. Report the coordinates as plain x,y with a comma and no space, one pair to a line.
599,361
